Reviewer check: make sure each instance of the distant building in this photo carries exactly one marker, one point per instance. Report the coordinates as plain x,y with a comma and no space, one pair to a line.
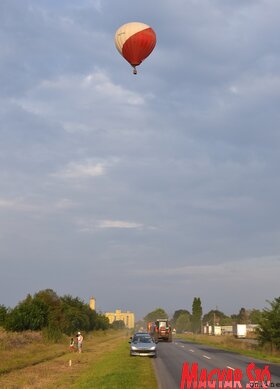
126,317
252,327
92,303
227,330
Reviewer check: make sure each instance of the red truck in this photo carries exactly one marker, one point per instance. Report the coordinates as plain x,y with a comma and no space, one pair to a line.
161,330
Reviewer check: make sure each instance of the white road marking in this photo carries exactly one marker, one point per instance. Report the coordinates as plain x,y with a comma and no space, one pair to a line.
205,356
191,350
231,368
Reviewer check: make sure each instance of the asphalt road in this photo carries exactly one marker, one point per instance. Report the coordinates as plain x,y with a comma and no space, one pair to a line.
171,357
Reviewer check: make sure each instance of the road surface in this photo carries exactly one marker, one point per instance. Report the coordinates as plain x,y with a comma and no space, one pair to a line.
172,356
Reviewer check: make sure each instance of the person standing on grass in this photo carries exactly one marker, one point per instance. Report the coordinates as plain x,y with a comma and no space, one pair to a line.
80,341
72,345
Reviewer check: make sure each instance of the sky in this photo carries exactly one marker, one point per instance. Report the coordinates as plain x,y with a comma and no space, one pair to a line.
142,191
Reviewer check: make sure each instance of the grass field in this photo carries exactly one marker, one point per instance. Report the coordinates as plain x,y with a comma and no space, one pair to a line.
25,349
27,361
229,343
119,371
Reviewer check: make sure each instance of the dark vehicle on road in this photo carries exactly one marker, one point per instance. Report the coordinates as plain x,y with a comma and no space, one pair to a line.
142,344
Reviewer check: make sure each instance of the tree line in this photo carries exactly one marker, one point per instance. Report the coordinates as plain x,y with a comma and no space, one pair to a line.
52,314
268,320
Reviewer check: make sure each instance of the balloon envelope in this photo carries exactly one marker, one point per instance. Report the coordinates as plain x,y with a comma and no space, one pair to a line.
135,41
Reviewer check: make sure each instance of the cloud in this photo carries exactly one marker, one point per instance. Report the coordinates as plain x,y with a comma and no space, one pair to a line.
16,204
80,93
36,205
85,169
87,225
176,168
256,87
119,224
65,204
97,4
240,269
7,203
100,82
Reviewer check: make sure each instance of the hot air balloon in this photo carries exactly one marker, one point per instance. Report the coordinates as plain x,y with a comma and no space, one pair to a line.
135,41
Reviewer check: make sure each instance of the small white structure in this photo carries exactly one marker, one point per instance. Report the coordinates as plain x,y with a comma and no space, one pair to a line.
240,330
252,328
227,330
207,330
216,330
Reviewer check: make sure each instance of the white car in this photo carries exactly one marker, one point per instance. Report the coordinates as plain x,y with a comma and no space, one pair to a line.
142,344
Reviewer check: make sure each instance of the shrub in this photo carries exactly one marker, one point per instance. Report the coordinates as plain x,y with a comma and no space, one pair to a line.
269,330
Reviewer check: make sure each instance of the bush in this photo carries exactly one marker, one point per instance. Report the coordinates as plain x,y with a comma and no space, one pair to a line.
52,334
3,314
269,330
31,314
56,315
118,325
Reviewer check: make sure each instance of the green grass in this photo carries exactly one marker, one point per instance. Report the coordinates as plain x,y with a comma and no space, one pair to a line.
119,370
27,362
229,343
18,350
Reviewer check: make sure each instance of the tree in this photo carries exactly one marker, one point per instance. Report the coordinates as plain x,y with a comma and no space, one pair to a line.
269,325
74,319
196,314
54,315
216,317
30,314
102,322
118,325
49,297
255,316
140,325
178,313
158,313
183,322
243,316
76,315
3,314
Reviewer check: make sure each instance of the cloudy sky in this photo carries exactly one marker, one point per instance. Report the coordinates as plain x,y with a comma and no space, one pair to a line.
145,190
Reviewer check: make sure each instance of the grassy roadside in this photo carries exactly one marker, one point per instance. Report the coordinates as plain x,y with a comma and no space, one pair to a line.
119,371
19,350
229,343
55,371
104,363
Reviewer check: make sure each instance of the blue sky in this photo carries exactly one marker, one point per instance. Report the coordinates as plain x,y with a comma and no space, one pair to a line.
145,190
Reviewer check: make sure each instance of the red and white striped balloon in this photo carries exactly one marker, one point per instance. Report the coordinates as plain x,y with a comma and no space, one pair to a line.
135,41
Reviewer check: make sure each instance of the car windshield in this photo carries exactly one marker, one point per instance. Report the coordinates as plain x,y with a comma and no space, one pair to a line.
142,339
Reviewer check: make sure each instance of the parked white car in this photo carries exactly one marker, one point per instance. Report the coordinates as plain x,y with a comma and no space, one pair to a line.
142,344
